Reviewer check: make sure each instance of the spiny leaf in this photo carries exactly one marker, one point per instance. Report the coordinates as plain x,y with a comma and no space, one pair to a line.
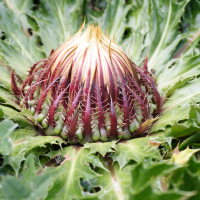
191,20
34,142
35,189
181,157
148,182
19,51
6,128
57,20
67,176
177,75
135,43
145,173
29,186
93,10
23,10
187,127
20,7
137,150
19,135
154,34
190,23
116,11
29,169
113,184
22,148
5,78
178,106
102,148
163,25
189,174
6,98
9,113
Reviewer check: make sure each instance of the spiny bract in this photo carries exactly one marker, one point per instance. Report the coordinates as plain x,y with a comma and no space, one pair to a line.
89,90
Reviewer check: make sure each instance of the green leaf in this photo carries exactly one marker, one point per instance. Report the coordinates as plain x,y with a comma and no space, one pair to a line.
34,142
102,148
163,36
22,148
135,43
27,113
19,51
22,134
145,173
190,23
113,184
150,194
29,169
154,26
1,33
113,19
9,113
93,10
6,128
5,78
137,150
188,141
191,16
6,98
177,75
23,9
187,127
178,106
66,184
35,189
57,20
181,157
20,7
1,114
29,186
189,174
149,181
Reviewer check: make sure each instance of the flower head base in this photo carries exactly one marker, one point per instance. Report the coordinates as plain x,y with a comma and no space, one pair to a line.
89,90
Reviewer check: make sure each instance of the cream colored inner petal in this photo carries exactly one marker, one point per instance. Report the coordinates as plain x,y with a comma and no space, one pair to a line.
86,50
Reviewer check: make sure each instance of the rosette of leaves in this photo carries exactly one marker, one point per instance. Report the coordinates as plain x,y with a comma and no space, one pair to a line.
36,166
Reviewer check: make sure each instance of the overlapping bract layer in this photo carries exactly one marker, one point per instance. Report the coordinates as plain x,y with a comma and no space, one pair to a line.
89,90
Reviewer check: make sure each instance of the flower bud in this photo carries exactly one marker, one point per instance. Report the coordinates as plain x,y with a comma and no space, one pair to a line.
89,90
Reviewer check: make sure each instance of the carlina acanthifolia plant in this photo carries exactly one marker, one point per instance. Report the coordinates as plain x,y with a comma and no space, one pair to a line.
89,90
81,117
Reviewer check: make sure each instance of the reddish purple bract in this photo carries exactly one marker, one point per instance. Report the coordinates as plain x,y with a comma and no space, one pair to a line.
89,90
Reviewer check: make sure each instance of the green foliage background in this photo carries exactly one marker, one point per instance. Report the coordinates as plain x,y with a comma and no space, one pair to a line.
163,165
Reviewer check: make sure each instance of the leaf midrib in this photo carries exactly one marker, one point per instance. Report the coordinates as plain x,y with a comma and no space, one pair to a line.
23,49
151,63
71,170
115,179
182,100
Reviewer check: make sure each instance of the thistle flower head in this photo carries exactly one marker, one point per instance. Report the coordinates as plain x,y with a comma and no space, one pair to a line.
89,90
